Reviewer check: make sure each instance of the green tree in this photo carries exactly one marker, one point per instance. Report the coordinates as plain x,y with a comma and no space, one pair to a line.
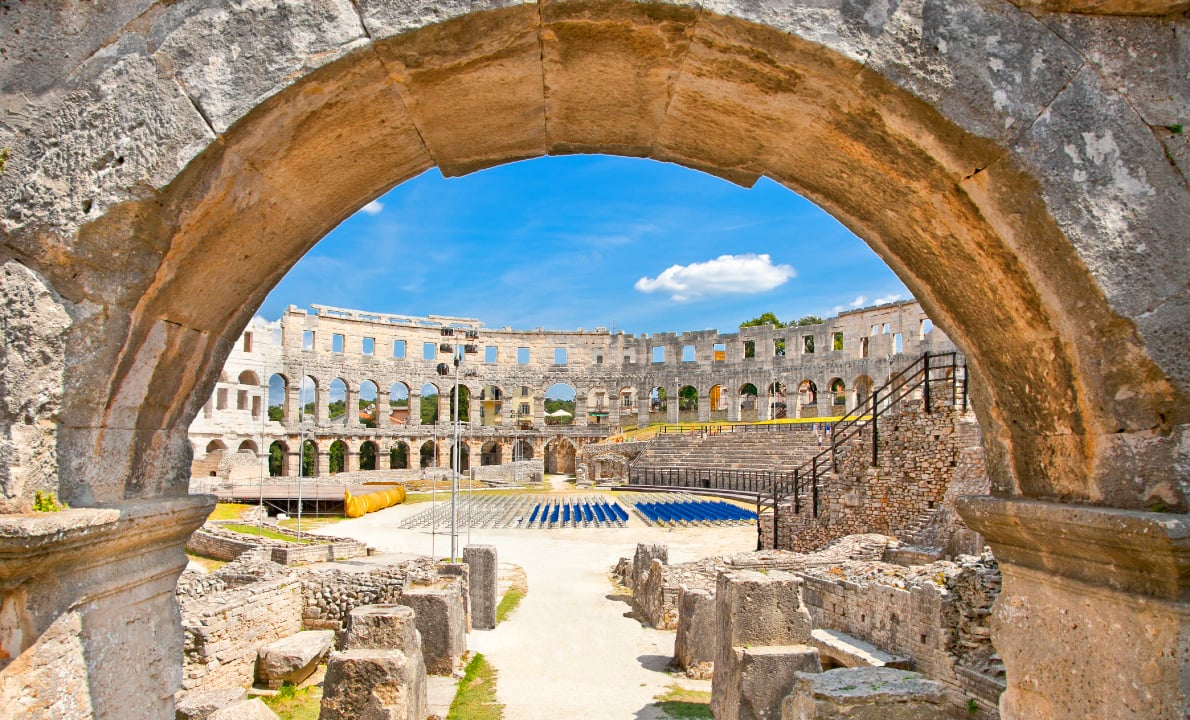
429,409
338,408
308,451
337,457
767,318
276,413
688,398
276,459
809,320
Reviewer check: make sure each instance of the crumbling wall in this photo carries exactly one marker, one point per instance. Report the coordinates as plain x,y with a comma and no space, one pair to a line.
936,614
926,460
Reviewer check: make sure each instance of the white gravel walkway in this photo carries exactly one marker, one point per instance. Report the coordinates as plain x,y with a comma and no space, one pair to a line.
568,651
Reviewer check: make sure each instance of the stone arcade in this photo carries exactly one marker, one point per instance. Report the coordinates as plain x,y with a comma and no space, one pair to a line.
757,373
1020,165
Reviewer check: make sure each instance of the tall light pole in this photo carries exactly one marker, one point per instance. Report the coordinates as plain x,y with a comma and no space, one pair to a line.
458,351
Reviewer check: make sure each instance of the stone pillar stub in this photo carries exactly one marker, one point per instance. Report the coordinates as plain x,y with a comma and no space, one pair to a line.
414,409
441,619
754,611
643,559
867,692
483,584
376,684
382,627
695,644
383,409
1093,618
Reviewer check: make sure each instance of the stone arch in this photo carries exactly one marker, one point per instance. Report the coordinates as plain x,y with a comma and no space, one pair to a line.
398,402
248,446
248,377
338,457
278,404
490,453
308,463
807,399
776,399
838,394
366,409
1045,170
215,446
748,395
559,404
464,451
338,391
398,456
278,458
559,455
862,386
430,404
522,449
369,454
687,403
491,405
428,454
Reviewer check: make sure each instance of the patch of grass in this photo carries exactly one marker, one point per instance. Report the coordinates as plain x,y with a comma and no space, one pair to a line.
310,522
476,696
679,702
211,564
294,703
229,511
271,534
517,589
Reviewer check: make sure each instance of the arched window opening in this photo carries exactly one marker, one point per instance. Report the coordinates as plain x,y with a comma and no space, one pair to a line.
559,404
398,457
367,456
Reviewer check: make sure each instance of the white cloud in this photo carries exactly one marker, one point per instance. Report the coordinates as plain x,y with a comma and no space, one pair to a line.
858,302
726,274
373,208
895,297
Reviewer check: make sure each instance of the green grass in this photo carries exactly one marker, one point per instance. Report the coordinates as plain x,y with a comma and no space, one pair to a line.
678,702
229,511
211,564
508,603
271,534
476,696
310,522
294,703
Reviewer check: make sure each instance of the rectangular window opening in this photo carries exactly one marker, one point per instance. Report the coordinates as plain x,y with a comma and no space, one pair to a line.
490,354
863,347
256,406
778,347
248,342
368,346
559,356
241,400
598,358
337,343
688,353
719,350
808,344
898,347
926,326
429,351
658,353
398,349
749,349
837,341
221,399
522,356
307,339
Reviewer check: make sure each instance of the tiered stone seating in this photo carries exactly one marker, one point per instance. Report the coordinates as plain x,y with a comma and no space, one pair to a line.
775,451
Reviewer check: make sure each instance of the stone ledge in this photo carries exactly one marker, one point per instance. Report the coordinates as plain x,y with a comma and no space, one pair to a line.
1125,550
37,543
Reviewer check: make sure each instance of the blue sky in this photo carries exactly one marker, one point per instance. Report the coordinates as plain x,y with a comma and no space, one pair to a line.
589,241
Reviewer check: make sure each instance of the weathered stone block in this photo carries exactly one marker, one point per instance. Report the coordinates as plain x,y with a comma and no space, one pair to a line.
869,693
695,643
462,572
293,659
200,705
253,709
382,627
374,684
482,585
848,652
642,561
442,622
763,676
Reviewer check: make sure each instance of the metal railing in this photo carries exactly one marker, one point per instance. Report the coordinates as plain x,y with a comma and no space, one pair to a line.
924,373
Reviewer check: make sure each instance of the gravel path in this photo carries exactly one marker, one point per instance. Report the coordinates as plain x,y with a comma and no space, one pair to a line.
569,651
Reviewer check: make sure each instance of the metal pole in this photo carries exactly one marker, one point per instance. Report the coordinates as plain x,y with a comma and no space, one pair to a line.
875,432
302,463
925,359
454,474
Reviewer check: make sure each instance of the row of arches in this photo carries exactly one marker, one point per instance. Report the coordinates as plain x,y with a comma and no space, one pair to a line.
323,458
558,404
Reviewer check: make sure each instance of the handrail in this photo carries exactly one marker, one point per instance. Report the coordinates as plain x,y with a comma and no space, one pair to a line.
897,388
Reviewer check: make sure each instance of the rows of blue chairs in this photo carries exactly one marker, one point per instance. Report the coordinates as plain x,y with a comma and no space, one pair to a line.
577,514
690,512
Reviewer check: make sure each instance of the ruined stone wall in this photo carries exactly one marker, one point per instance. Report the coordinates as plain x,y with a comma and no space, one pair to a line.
936,614
331,595
926,460
224,631
215,542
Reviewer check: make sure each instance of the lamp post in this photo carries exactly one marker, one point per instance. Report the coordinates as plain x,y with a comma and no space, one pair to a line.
458,351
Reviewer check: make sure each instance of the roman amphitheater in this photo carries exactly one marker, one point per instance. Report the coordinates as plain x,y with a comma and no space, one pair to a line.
1020,164
616,381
